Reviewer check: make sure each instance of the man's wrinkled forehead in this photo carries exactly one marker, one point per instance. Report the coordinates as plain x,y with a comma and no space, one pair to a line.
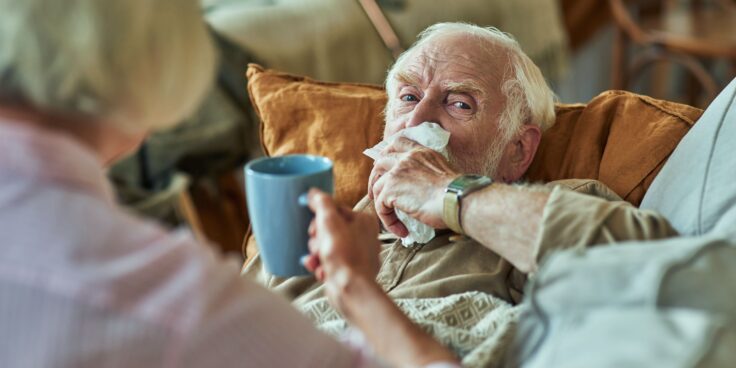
465,63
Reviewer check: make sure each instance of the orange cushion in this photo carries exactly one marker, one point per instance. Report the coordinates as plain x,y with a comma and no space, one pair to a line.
335,120
619,138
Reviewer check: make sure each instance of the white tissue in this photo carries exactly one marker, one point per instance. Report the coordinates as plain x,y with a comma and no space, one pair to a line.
432,136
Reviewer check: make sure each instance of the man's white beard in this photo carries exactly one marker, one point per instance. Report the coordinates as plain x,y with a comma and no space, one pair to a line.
484,164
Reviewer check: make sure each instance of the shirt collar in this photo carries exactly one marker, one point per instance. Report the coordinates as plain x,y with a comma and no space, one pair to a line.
30,151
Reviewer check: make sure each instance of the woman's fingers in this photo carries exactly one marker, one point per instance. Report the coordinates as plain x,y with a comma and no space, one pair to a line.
319,201
312,229
327,215
310,262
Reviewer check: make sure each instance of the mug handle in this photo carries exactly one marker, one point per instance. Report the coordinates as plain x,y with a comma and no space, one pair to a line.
302,200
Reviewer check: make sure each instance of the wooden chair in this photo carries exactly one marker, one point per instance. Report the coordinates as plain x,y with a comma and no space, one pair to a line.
218,208
186,210
690,35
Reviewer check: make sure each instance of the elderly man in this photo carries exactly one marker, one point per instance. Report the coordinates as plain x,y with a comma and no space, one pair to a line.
477,84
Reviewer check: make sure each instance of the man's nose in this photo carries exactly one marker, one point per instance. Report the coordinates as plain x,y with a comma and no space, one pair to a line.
425,110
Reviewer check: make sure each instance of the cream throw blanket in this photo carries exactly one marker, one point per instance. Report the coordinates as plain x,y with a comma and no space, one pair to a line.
476,326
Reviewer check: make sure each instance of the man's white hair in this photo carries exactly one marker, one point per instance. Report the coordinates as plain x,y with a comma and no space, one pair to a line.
139,64
529,100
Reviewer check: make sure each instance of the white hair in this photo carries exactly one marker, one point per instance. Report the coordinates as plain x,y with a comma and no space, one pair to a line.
529,100
138,64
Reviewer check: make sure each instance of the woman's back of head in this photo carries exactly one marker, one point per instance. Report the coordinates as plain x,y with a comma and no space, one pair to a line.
138,64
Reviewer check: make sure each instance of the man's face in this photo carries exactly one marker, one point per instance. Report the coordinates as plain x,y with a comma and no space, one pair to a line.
451,80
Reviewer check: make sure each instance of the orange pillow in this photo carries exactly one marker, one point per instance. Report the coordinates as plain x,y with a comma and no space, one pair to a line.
335,120
619,138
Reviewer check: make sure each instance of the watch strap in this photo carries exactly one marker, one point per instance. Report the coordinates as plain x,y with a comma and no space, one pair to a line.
459,188
451,212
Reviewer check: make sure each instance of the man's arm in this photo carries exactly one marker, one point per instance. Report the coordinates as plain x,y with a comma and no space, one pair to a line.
520,223
507,220
524,223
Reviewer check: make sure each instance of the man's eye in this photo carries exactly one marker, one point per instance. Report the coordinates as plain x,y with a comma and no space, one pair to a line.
461,105
409,98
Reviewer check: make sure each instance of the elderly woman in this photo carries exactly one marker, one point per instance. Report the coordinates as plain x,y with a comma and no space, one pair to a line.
83,283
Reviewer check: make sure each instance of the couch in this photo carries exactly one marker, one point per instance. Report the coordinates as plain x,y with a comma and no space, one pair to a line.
663,302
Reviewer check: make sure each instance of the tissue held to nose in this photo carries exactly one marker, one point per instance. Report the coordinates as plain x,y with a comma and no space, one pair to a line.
432,136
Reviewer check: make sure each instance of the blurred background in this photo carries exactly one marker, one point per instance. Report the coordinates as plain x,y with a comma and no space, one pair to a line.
678,50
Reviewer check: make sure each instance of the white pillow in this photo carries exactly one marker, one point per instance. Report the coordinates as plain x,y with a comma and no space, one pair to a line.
667,303
696,188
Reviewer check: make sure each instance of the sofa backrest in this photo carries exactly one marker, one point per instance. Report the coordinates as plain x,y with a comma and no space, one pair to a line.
696,189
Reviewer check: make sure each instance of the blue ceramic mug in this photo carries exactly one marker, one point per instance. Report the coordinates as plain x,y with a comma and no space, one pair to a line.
273,187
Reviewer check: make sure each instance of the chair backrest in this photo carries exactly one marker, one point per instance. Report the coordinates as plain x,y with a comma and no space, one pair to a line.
626,13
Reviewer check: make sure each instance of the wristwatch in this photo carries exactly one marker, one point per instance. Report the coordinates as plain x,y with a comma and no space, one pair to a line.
458,189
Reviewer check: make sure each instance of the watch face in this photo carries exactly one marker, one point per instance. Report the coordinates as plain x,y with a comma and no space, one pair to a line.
465,182
472,177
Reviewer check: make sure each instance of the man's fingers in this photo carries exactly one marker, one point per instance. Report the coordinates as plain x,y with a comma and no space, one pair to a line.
387,162
377,188
386,212
401,144
391,222
374,176
398,228
382,165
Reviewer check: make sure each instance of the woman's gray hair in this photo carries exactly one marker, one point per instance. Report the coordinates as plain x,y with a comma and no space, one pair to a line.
529,100
139,64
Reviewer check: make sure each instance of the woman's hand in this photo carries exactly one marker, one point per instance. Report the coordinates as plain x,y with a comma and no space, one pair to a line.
343,247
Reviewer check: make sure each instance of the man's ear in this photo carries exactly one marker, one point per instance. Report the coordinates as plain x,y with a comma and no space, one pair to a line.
522,150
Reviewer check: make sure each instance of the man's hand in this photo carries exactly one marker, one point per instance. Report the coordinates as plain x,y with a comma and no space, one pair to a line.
343,247
411,178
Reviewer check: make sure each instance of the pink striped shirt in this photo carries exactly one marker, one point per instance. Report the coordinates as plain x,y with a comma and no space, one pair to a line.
85,284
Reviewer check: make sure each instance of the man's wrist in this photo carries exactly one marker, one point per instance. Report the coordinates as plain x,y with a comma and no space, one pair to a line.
455,193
